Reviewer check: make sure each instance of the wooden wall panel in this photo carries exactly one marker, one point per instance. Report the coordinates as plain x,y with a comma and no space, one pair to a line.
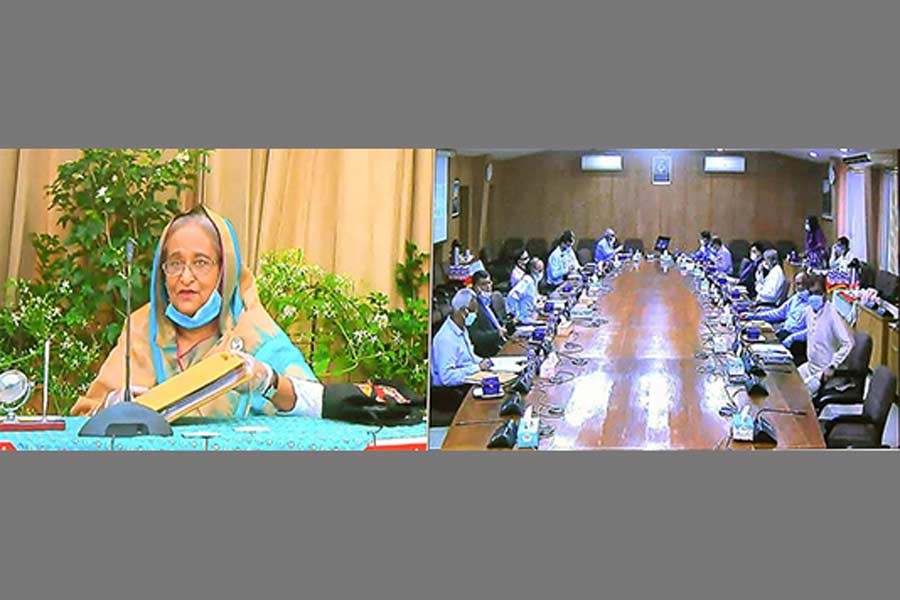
540,195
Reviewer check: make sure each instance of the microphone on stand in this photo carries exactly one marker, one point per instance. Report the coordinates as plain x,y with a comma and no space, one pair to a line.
129,257
128,418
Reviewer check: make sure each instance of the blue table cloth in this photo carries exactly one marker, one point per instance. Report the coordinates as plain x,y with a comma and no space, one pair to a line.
283,434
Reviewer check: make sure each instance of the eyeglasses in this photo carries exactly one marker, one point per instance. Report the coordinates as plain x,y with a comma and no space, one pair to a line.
200,267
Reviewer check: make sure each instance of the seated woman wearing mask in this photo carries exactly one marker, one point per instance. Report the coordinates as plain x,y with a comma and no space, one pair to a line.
203,300
520,302
519,269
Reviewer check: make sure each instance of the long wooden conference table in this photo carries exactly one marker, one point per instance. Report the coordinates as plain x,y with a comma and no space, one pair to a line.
641,387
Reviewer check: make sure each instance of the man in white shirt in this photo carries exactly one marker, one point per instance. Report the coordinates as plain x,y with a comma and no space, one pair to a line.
841,257
520,301
828,339
770,289
453,358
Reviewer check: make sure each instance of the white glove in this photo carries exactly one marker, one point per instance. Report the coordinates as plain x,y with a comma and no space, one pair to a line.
261,375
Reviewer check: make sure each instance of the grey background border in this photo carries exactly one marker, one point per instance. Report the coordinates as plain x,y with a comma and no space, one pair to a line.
465,74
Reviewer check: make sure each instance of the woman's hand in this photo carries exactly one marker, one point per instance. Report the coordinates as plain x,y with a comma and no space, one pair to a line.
261,375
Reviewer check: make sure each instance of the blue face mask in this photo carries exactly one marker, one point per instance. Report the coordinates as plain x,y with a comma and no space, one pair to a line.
470,319
205,315
816,302
803,295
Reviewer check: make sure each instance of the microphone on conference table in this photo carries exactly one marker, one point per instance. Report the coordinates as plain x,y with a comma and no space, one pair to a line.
128,418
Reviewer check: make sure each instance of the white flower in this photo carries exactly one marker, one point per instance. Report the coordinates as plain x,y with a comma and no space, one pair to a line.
181,157
101,192
289,311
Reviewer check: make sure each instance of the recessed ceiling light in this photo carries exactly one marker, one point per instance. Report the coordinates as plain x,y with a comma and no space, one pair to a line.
720,149
813,154
844,149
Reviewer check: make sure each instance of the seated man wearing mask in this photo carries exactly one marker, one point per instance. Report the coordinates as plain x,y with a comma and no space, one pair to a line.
453,359
562,261
769,289
828,340
605,248
749,267
486,331
702,253
521,299
721,255
790,318
841,257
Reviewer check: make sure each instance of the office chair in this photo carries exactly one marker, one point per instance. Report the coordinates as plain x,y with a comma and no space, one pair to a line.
498,306
739,249
867,429
852,372
785,247
866,274
633,244
585,255
585,242
538,247
888,286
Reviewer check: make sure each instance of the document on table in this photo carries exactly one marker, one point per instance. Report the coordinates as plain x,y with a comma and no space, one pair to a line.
509,364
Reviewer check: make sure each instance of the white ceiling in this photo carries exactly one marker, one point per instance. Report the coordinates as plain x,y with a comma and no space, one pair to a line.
822,154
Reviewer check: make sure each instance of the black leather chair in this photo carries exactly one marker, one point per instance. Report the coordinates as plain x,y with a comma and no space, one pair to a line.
633,244
511,250
585,256
849,381
584,244
538,247
498,305
888,286
487,256
867,429
866,274
785,247
740,249
443,404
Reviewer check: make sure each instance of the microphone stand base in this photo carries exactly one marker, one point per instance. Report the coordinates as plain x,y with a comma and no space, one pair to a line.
127,419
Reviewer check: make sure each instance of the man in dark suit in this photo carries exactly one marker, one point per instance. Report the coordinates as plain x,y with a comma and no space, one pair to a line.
487,331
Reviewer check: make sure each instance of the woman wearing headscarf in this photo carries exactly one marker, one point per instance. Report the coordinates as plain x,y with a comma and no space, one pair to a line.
815,248
203,300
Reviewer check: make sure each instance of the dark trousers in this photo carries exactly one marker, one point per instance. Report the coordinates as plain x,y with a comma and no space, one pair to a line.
798,349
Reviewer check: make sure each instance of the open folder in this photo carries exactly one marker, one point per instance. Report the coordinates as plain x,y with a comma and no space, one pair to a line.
197,386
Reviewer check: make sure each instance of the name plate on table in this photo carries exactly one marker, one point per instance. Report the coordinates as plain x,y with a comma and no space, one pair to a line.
490,386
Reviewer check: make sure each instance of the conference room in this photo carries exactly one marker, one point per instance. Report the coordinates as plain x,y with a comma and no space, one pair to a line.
214,299
721,298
